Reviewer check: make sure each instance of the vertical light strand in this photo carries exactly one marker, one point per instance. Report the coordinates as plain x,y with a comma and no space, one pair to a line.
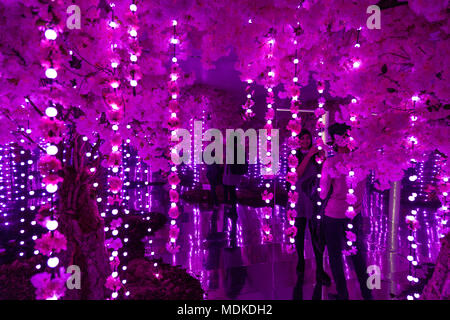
173,123
294,126
267,174
115,172
52,242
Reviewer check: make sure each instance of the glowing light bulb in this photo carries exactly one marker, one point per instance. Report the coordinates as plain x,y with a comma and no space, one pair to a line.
51,112
415,98
356,64
52,225
115,84
51,188
295,60
133,7
133,58
51,34
51,73
53,262
114,65
133,83
133,33
52,150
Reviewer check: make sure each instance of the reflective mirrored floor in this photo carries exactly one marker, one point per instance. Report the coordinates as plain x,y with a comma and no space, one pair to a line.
227,254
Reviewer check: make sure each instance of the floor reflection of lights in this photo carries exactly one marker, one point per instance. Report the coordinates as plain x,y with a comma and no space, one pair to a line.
251,269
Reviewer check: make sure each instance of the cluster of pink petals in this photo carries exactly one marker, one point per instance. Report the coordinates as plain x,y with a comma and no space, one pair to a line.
51,242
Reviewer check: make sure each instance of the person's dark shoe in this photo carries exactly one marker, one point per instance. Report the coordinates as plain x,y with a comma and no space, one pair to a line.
323,278
297,293
317,293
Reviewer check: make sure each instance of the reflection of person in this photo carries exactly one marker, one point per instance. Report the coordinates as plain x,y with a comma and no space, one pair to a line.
232,177
213,173
335,220
306,187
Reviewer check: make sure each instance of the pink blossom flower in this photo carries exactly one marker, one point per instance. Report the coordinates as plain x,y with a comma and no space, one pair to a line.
173,178
350,252
174,231
350,236
52,179
115,184
350,214
114,159
266,195
291,231
291,177
49,243
113,243
294,125
267,212
412,223
172,247
270,114
174,196
293,143
49,164
116,223
174,213
292,161
291,214
113,284
48,287
351,198
293,196
52,129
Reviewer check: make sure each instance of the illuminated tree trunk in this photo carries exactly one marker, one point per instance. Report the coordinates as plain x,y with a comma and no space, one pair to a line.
83,227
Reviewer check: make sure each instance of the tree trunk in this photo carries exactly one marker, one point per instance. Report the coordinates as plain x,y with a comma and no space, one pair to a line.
83,228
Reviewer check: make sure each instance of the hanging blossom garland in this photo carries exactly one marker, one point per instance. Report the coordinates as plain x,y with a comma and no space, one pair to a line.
173,124
320,127
353,177
249,103
267,173
413,225
134,48
50,286
294,126
115,114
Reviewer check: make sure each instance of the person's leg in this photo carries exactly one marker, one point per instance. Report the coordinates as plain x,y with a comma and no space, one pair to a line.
233,195
300,224
226,193
214,195
318,244
334,234
359,259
